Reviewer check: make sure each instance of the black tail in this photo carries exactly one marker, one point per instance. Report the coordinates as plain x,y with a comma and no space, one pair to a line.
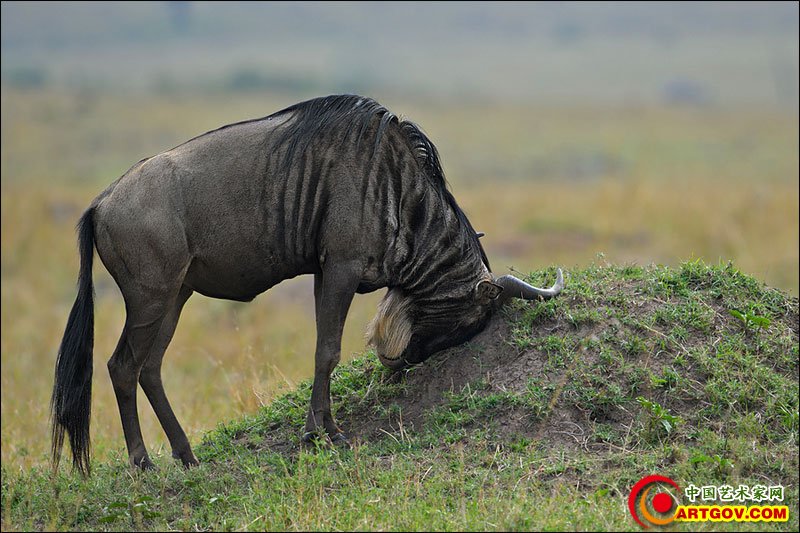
71,403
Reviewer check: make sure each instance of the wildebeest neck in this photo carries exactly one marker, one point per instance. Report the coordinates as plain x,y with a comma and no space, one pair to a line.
441,260
439,250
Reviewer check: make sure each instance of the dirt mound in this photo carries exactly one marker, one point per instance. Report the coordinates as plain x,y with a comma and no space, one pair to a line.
626,358
490,359
636,356
493,364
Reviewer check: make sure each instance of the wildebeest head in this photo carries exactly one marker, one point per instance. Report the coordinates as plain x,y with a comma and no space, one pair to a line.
445,292
409,329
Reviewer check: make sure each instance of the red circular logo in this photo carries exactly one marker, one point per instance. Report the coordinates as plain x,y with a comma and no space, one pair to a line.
662,501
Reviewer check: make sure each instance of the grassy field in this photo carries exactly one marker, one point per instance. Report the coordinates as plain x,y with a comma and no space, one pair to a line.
548,186
543,422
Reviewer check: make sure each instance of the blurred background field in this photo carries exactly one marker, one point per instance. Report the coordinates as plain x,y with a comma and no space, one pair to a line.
569,132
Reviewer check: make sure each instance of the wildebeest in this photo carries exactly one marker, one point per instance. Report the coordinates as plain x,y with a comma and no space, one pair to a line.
337,187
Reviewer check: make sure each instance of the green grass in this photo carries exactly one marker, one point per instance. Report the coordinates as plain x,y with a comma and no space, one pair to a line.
657,377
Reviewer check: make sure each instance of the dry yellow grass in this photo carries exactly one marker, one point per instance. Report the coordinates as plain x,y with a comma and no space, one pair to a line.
548,186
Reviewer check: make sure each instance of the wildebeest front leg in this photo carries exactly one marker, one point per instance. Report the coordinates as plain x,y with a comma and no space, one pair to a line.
334,289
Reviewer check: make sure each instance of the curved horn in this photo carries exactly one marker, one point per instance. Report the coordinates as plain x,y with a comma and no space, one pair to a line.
516,288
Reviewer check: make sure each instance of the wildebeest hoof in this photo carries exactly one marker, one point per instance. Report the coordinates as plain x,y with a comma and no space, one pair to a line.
188,459
340,441
189,463
310,437
144,463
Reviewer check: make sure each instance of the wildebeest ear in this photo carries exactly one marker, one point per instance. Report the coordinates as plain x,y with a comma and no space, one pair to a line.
486,290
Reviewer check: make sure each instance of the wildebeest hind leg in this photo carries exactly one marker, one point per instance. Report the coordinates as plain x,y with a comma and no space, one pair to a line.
145,314
150,380
334,289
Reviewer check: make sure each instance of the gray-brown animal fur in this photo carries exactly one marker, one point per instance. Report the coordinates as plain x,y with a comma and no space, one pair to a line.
336,187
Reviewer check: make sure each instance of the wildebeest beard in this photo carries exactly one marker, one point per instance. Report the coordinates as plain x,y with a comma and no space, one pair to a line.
408,330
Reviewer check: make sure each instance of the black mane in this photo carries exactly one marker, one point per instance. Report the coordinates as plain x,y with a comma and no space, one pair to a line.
326,113
428,156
